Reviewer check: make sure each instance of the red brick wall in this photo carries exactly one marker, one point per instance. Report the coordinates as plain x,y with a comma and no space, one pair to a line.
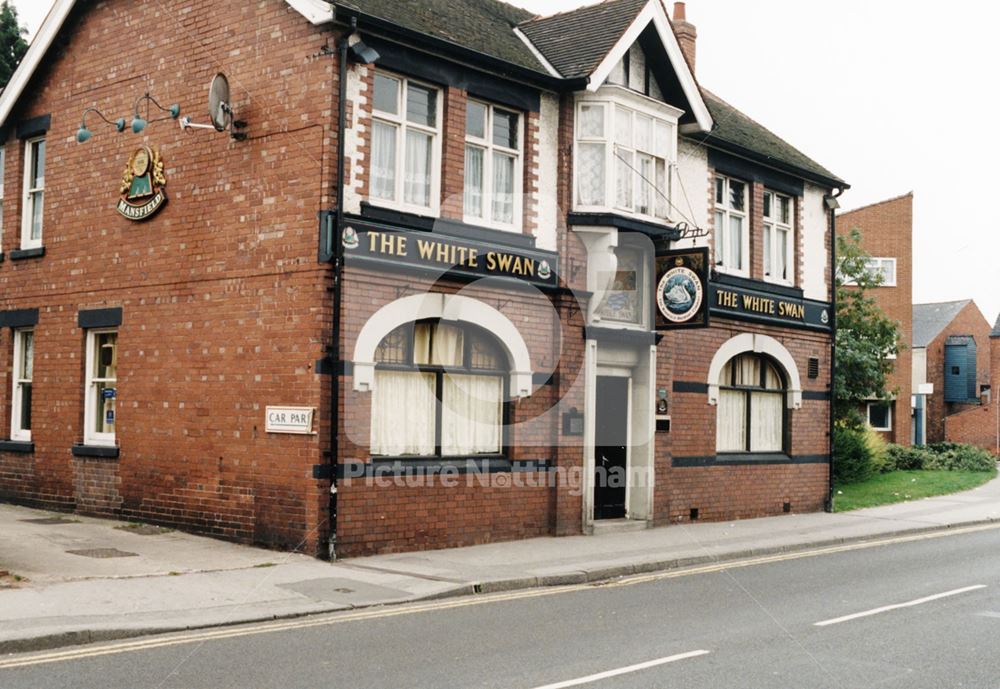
969,321
224,302
976,425
887,231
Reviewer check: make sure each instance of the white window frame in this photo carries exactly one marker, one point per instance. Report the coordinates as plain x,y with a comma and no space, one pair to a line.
91,407
888,415
489,147
402,125
722,247
774,225
875,266
27,241
643,289
17,394
614,99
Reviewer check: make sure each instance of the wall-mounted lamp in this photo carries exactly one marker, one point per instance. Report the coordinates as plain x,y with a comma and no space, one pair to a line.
363,54
139,122
83,134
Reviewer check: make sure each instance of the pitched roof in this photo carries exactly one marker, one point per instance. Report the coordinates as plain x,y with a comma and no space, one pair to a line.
996,328
930,319
735,129
486,26
576,42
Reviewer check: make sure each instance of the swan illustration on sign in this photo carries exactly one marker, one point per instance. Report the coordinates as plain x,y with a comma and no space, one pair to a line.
679,294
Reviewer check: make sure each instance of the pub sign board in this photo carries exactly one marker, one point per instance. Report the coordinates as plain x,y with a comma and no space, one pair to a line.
446,254
681,289
764,306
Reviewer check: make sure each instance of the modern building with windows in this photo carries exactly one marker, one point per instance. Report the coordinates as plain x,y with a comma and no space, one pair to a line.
450,273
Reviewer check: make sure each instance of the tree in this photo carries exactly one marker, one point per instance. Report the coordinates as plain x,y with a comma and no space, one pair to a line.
12,43
867,340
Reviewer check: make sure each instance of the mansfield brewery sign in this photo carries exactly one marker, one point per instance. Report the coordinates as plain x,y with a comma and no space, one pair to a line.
142,183
447,254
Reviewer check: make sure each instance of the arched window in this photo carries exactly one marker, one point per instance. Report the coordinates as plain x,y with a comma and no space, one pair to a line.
751,415
439,392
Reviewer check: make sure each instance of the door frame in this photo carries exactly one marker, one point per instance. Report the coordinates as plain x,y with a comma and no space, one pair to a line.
626,374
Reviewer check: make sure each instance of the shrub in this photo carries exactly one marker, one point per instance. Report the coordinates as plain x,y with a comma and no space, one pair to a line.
908,458
956,457
852,460
878,448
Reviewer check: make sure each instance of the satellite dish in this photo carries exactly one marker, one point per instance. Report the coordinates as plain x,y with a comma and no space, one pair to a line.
219,110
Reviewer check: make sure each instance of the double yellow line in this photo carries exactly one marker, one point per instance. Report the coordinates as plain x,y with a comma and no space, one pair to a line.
413,609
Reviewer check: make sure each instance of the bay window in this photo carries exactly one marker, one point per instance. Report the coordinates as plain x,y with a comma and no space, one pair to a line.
492,166
439,392
34,193
751,411
405,144
101,387
24,356
732,226
623,156
779,238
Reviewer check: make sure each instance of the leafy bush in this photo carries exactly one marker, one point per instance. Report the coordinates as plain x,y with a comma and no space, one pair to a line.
908,458
852,460
956,457
878,448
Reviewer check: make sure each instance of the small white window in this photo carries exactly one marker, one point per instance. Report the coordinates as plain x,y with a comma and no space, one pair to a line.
492,166
101,390
880,416
406,145
24,356
732,236
779,238
879,267
34,193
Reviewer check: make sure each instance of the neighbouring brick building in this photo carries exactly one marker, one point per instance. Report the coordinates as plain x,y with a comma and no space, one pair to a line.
450,273
952,341
887,235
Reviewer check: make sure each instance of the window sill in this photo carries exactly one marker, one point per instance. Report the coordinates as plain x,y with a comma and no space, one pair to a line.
21,446
19,254
106,451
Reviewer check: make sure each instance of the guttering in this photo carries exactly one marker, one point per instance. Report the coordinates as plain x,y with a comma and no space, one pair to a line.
443,48
833,334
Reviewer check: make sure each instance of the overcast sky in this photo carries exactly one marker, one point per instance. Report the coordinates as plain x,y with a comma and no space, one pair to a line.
891,95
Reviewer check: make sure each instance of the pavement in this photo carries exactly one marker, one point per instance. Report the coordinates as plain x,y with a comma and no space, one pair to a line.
75,580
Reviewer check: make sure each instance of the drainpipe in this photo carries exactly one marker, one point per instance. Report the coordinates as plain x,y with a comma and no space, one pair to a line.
338,272
832,205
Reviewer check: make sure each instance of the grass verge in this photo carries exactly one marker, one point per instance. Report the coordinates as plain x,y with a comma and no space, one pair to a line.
902,486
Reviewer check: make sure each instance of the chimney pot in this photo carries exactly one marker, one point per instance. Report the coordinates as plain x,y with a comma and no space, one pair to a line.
680,15
687,34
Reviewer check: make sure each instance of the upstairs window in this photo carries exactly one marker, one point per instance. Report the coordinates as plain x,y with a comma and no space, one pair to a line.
492,166
622,159
405,146
779,238
732,235
24,358
876,267
34,193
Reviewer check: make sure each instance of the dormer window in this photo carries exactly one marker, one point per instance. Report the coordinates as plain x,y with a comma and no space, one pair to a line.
625,144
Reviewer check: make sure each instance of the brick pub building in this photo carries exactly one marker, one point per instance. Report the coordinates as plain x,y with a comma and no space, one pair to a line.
434,283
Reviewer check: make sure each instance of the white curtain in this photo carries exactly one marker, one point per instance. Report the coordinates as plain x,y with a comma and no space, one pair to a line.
503,188
623,177
448,348
474,181
383,180
735,243
471,414
768,267
765,426
417,175
731,423
590,174
403,406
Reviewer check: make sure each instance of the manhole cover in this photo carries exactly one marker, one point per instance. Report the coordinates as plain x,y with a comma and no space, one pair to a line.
102,553
49,520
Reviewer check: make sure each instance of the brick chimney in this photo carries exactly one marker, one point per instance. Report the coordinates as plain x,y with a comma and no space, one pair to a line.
687,35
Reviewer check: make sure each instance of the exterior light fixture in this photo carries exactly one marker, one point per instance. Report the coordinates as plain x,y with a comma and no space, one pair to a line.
83,134
363,53
139,122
